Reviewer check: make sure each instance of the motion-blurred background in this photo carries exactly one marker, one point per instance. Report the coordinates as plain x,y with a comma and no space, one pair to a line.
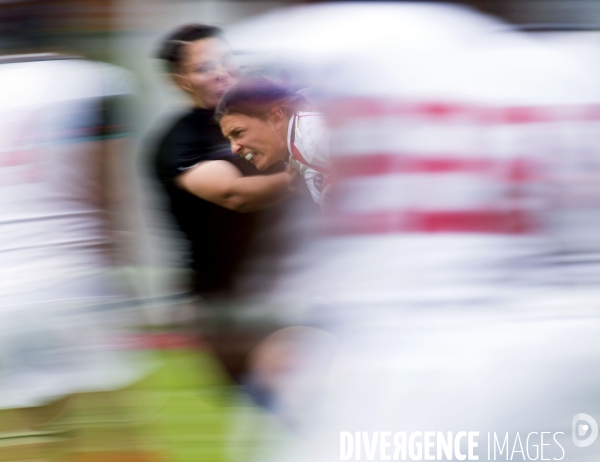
127,33
186,410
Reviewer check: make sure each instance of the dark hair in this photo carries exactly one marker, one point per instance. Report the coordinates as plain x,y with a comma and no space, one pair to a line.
254,96
171,48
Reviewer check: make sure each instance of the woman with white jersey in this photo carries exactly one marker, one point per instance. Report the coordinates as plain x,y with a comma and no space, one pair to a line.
267,123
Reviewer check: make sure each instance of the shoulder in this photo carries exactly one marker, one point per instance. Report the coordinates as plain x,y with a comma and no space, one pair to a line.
173,123
310,118
311,124
166,129
161,141
312,137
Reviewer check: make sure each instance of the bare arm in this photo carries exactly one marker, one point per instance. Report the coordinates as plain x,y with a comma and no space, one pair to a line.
220,182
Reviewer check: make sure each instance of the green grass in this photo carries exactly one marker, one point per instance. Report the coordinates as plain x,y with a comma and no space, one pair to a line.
185,411
194,403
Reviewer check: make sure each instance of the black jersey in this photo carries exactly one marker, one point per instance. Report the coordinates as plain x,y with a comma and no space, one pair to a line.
218,237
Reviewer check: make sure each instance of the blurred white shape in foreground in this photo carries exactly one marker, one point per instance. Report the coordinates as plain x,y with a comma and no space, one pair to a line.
461,273
60,303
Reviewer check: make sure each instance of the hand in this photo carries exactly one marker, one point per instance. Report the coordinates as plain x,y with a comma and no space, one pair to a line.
294,179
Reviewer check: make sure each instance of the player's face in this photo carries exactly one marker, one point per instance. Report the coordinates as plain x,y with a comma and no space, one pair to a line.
260,141
206,72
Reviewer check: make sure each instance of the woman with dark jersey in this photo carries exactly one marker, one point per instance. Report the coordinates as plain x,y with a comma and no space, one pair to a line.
206,185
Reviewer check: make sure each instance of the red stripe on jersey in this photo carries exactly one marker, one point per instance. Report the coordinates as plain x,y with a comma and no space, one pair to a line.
515,170
340,112
297,155
477,221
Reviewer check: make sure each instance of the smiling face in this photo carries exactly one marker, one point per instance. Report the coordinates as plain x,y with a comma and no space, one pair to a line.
261,141
207,71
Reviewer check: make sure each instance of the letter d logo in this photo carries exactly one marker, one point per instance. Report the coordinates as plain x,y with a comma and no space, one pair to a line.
582,428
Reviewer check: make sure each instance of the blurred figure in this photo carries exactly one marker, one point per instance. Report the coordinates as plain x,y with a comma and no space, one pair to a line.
62,300
207,187
451,135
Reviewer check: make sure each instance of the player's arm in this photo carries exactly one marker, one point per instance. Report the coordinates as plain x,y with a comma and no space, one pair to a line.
220,182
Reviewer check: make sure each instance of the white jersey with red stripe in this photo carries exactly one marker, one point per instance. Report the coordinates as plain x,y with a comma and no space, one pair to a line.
464,168
58,293
458,148
51,232
308,145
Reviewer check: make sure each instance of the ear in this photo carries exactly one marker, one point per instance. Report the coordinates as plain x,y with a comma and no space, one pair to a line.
278,117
